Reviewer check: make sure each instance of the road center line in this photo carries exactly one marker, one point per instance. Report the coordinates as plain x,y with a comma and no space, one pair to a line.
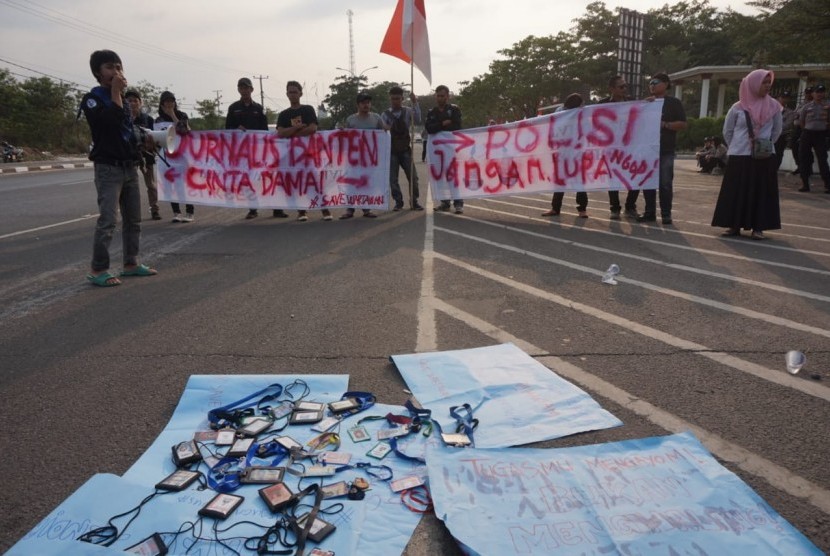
779,477
759,371
426,332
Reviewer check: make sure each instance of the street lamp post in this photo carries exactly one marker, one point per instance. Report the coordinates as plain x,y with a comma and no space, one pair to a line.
359,75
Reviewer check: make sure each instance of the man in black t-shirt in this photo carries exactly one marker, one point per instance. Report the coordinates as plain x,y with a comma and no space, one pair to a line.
246,114
299,120
673,120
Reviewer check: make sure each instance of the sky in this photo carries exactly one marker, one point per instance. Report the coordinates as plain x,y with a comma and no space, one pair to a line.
200,48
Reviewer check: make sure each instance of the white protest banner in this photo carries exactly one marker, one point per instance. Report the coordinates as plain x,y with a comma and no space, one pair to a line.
614,146
257,169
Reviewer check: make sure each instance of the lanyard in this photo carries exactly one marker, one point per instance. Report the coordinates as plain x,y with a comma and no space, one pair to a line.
365,400
224,476
379,472
228,415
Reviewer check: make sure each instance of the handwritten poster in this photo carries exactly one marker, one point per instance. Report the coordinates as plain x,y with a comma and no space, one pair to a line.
516,399
664,495
601,147
257,169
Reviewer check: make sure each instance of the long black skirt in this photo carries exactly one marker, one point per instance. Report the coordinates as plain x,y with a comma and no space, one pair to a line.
748,196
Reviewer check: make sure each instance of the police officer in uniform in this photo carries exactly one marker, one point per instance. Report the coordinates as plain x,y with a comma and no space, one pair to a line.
814,120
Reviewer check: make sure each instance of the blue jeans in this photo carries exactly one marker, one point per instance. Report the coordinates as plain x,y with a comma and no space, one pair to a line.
117,187
666,192
396,162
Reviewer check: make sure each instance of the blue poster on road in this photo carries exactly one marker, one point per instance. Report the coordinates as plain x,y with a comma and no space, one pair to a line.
663,495
516,399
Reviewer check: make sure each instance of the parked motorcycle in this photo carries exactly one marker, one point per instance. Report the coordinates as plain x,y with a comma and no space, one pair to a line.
12,153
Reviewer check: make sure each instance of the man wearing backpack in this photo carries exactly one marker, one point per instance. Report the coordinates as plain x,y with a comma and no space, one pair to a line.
398,118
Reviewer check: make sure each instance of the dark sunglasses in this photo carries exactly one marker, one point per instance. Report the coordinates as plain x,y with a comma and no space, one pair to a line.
655,82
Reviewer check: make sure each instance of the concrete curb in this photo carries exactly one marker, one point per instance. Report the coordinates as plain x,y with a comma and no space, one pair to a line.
39,167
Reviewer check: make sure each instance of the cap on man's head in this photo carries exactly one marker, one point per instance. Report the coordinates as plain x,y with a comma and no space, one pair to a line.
808,90
132,93
167,95
363,95
819,89
785,94
244,82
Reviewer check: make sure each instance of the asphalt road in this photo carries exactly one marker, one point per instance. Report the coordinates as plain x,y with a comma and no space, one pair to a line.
692,337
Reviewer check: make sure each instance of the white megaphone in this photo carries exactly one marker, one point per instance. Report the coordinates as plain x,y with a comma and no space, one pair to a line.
166,139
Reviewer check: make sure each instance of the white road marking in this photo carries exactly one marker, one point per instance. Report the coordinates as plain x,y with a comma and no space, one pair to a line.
426,333
759,371
665,230
764,317
65,222
777,476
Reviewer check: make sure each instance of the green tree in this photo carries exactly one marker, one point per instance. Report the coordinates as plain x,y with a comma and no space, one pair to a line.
340,101
209,116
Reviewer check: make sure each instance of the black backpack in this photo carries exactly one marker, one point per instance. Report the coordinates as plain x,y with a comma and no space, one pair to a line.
399,133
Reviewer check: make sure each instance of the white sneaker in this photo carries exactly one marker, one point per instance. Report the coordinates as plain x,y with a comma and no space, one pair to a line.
327,217
177,218
302,218
187,218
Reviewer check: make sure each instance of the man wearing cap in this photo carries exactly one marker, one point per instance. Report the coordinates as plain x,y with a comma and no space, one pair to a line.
673,119
147,167
246,114
814,119
363,119
787,118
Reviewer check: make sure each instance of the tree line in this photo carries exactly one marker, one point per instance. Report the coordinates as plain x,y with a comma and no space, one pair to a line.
41,113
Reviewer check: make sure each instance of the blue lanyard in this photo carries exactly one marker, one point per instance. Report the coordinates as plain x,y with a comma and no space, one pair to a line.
371,469
365,400
227,415
224,476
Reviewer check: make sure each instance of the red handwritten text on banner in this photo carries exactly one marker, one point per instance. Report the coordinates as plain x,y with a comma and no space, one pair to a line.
256,169
595,148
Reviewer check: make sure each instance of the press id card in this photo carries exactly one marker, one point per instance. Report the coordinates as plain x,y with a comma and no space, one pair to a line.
405,483
379,451
359,434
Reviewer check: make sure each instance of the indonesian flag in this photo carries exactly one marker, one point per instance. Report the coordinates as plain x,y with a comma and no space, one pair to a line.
407,36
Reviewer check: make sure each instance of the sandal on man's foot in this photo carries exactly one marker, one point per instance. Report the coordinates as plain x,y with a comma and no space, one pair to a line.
103,280
139,270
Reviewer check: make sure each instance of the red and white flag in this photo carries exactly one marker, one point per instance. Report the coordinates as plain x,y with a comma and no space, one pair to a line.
407,36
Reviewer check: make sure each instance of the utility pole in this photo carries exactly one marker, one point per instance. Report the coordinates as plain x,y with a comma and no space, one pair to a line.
261,91
218,100
350,13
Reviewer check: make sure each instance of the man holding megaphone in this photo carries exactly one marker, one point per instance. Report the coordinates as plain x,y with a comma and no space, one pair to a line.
115,153
143,120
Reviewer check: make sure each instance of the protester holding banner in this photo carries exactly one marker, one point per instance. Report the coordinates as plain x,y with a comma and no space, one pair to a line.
617,92
398,119
673,120
148,170
445,116
748,196
169,113
115,155
574,100
364,118
298,120
245,114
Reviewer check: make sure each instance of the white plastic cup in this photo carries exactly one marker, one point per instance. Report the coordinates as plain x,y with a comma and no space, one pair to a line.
795,361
